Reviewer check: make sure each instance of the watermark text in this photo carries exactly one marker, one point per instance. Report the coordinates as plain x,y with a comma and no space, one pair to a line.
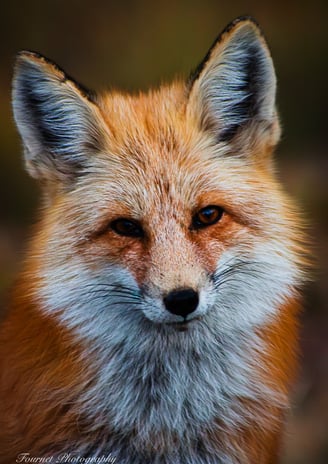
65,458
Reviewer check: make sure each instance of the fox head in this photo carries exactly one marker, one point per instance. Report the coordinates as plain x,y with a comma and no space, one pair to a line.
160,209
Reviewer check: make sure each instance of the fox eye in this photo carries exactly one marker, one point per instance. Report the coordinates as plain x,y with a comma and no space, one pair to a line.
127,227
207,216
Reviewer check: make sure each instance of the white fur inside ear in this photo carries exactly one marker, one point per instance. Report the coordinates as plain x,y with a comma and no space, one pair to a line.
237,83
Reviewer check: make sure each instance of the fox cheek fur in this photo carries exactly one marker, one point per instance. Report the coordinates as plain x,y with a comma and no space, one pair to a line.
155,319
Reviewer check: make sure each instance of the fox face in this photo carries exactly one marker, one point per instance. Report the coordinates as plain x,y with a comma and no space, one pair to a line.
164,233
168,187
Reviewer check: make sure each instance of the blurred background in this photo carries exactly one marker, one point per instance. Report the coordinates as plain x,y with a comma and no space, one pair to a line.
136,44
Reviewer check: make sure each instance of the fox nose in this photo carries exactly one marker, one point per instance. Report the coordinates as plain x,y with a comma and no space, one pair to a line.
182,301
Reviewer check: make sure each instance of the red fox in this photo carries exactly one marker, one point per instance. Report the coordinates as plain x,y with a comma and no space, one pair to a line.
155,319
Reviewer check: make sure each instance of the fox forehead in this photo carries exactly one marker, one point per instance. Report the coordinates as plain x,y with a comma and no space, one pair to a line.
147,115
156,153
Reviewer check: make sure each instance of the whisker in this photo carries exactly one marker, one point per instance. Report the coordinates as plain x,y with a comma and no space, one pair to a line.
237,269
111,287
111,294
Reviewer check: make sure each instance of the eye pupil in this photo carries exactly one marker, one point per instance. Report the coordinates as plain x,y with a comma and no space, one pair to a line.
127,227
207,216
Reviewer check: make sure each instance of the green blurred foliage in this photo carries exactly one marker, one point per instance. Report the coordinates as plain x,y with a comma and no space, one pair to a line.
136,44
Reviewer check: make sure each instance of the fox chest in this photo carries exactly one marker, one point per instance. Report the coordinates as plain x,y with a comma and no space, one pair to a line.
169,409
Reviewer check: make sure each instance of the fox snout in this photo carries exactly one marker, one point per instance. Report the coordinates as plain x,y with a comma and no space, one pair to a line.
181,297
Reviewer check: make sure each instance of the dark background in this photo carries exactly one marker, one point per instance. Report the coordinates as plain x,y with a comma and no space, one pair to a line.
137,44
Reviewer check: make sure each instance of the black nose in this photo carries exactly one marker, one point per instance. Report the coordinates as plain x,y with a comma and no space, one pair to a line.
181,302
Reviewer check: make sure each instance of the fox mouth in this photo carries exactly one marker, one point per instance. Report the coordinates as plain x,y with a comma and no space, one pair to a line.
185,325
181,326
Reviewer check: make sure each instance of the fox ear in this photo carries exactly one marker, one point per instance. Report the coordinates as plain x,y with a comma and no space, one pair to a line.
235,86
58,121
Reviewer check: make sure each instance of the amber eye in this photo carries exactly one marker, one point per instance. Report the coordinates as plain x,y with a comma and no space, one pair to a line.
127,227
207,216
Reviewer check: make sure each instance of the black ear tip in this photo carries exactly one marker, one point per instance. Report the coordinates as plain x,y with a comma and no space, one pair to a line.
29,54
29,57
246,21
240,20
31,60
36,59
